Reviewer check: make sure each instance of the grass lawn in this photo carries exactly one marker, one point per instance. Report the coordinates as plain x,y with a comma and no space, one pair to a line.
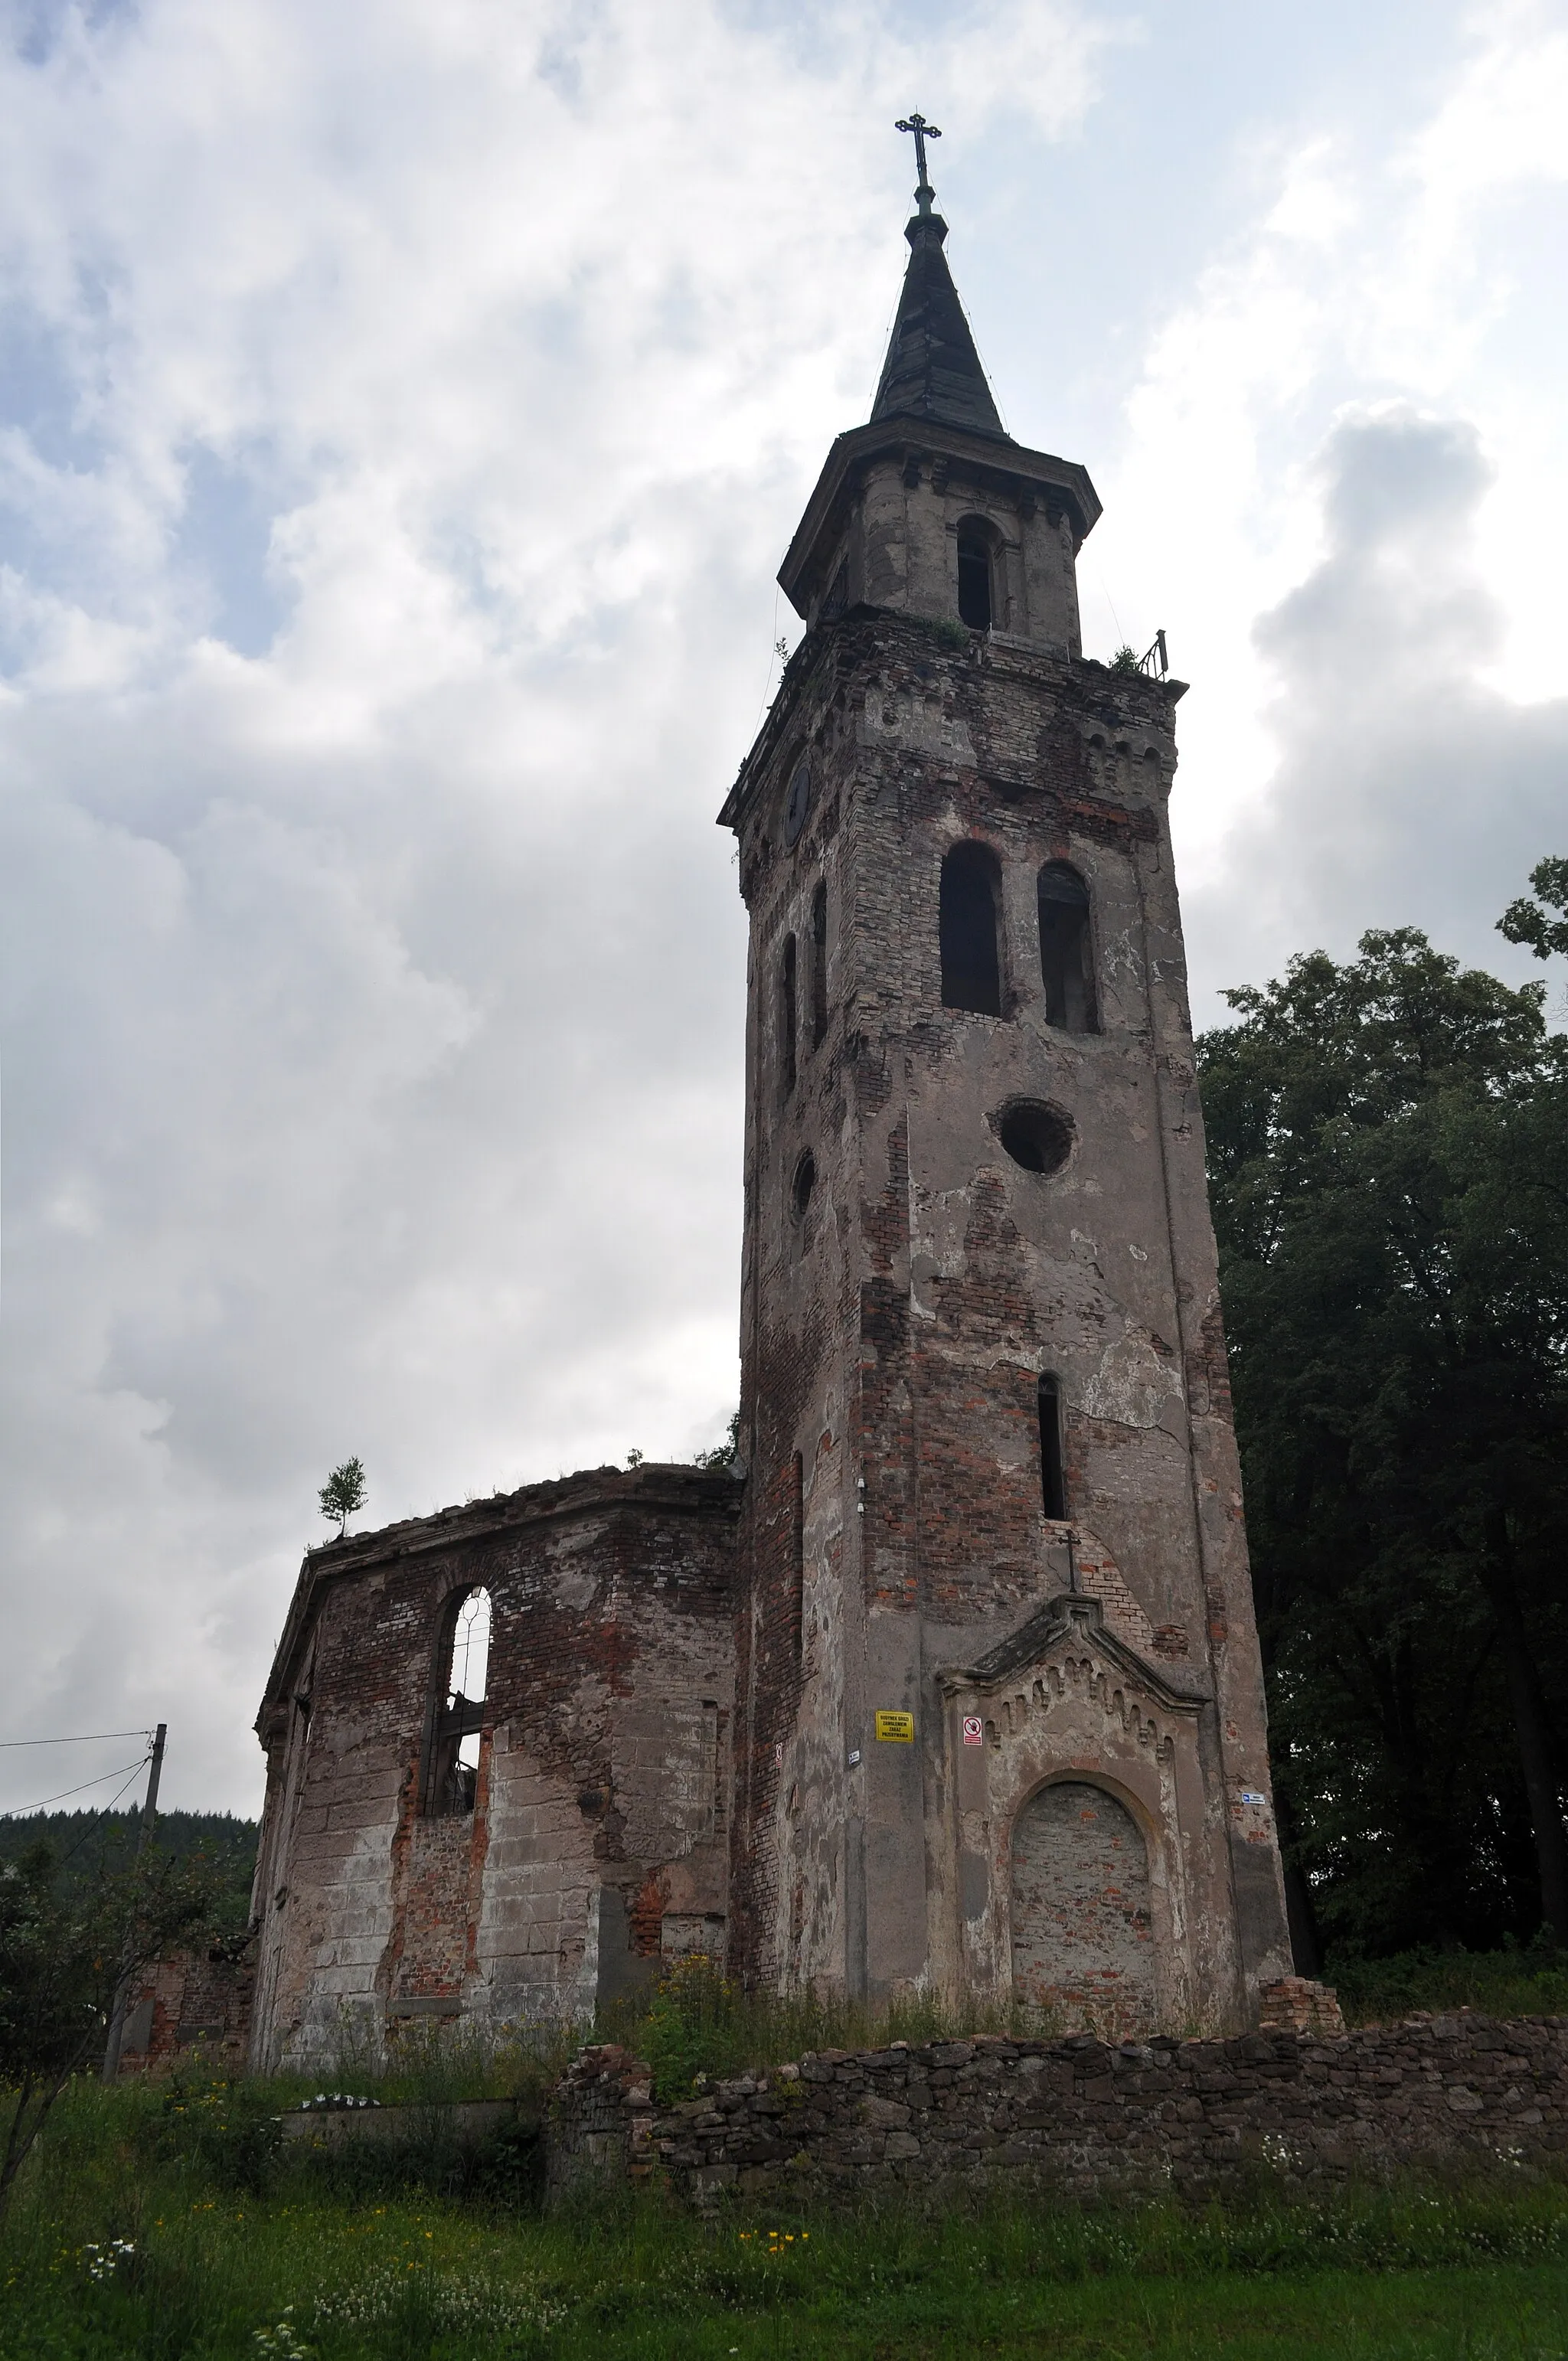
232,2250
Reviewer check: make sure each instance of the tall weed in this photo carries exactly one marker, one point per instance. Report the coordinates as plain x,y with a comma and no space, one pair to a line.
1512,1981
697,2023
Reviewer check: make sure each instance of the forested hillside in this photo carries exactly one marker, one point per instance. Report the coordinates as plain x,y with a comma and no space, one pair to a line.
86,1844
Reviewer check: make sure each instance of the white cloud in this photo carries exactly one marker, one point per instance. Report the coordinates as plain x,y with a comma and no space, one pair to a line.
1408,790
412,406
1420,274
406,409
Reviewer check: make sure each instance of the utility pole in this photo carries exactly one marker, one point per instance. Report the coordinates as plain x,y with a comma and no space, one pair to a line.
149,1815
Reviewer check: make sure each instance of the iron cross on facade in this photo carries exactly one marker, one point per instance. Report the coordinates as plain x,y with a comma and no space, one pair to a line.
922,131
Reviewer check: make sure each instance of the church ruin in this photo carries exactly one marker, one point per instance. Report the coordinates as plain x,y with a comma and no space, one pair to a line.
951,1682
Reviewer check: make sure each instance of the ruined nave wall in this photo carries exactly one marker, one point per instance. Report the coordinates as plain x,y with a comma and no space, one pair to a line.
598,1835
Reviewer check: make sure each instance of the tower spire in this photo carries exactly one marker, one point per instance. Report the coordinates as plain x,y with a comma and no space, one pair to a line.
932,369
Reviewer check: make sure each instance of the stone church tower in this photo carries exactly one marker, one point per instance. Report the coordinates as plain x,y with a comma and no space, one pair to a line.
999,1707
954,1683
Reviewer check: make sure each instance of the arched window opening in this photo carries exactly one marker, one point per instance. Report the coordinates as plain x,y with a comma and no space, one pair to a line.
1067,959
819,964
787,1019
1053,1472
974,581
453,1773
971,970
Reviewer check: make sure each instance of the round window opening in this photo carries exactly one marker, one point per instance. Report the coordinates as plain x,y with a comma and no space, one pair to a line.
804,1181
1037,1137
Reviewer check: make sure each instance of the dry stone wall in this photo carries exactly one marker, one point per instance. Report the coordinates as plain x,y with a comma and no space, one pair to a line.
601,2130
1085,2114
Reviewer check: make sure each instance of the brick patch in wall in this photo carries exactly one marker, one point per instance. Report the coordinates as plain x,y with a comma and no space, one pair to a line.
187,2001
1295,2004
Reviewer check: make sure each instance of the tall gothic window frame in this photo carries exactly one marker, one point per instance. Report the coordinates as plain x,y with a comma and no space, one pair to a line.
455,1721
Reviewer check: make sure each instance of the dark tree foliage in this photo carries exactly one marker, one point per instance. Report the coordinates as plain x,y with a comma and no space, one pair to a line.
723,1454
1525,921
64,1949
1387,1149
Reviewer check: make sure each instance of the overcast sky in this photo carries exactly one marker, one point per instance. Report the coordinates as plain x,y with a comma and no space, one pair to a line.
403,409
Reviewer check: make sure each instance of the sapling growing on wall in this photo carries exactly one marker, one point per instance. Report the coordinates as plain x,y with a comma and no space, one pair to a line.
344,1494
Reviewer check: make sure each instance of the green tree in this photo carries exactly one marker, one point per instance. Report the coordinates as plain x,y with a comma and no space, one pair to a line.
723,1454
1386,1148
64,1949
1525,921
344,1494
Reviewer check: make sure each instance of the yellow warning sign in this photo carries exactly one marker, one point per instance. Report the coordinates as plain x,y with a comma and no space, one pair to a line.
899,1725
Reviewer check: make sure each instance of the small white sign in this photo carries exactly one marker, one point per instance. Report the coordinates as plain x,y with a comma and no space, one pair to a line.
974,1729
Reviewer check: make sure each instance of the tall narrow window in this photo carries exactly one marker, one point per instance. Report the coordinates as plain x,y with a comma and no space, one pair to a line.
787,1018
797,1559
974,582
971,971
818,964
1053,1475
452,1760
1067,961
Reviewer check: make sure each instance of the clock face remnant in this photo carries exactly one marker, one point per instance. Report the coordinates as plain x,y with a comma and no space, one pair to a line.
799,801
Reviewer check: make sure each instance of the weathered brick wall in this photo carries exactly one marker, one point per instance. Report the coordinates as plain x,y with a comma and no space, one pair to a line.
1082,1925
894,1335
1093,2118
598,1840
192,1999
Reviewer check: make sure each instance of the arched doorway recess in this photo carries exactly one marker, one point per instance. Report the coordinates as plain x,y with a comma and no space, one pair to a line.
1082,1927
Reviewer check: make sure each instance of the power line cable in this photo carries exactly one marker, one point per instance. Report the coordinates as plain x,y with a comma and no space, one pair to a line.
95,1827
88,1738
20,1811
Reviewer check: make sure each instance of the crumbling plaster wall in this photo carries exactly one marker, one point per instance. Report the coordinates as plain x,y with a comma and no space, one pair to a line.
895,1336
599,1837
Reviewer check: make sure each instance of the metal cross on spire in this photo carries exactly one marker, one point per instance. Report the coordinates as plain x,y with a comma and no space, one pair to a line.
922,131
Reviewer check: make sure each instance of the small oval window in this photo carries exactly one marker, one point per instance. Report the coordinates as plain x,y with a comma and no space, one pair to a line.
1037,1137
804,1181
